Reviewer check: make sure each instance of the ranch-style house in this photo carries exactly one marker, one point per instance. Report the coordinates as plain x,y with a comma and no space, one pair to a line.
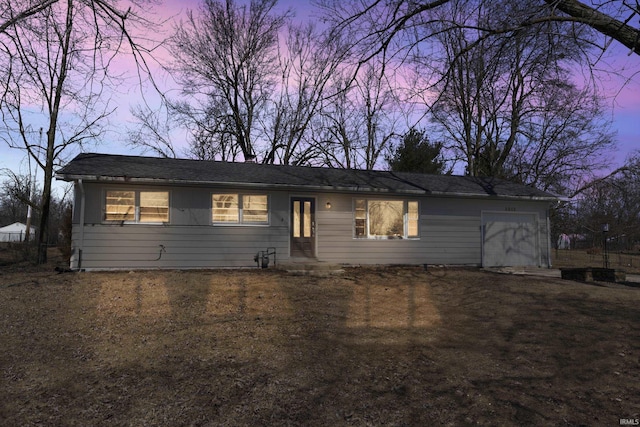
133,212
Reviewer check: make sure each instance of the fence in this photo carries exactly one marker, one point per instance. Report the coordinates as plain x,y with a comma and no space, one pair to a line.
15,237
594,257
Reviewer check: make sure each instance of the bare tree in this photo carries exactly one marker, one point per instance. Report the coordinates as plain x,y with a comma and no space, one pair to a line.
481,92
507,105
564,142
375,25
379,111
336,129
614,200
359,122
494,70
308,62
153,132
611,18
226,61
12,13
57,62
16,196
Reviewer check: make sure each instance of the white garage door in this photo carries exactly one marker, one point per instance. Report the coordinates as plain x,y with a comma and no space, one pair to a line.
510,239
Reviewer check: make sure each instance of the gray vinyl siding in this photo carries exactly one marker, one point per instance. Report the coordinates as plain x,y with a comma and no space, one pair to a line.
449,228
450,231
189,240
337,244
444,239
139,246
451,239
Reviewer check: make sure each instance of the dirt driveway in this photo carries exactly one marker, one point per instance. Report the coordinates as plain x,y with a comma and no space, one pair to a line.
392,346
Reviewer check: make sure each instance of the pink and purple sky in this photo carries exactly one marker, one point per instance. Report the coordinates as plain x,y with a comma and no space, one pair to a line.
622,92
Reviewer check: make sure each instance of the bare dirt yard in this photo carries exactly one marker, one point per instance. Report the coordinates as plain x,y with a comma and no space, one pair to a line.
400,346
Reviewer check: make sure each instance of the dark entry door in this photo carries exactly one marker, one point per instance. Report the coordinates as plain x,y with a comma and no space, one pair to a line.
303,227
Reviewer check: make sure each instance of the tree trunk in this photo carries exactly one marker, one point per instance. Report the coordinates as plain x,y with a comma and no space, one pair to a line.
54,110
43,232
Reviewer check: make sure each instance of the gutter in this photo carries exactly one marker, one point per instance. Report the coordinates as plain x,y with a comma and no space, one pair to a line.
324,188
232,184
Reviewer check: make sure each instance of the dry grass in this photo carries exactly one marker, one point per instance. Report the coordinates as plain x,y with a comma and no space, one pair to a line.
628,261
392,346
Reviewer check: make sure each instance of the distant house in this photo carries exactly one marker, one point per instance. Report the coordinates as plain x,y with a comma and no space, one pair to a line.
142,212
16,232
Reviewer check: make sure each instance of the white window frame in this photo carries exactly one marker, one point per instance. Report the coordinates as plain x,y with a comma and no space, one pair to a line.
241,217
136,206
357,215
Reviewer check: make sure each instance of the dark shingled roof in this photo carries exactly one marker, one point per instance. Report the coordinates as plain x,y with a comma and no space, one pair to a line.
107,167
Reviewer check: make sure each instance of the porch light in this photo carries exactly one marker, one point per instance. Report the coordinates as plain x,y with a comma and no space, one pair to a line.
328,205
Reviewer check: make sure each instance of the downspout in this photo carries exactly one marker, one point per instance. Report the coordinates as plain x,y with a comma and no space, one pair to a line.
81,231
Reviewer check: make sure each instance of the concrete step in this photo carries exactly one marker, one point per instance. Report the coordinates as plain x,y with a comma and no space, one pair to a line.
310,267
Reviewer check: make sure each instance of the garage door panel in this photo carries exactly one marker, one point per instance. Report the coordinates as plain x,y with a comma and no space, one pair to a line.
510,240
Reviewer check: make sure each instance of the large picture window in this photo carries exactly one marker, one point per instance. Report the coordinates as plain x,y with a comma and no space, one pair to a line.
385,219
240,209
136,206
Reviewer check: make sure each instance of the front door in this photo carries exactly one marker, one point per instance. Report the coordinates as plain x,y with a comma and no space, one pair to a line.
303,227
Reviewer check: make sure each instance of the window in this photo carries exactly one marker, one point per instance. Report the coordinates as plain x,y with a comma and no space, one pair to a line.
154,206
254,208
361,218
225,208
137,206
120,206
385,219
239,209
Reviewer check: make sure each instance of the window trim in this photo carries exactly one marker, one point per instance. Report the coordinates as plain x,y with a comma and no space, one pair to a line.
136,207
405,219
241,220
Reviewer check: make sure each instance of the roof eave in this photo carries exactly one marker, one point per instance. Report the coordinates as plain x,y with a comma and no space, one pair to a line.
95,178
324,188
497,196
